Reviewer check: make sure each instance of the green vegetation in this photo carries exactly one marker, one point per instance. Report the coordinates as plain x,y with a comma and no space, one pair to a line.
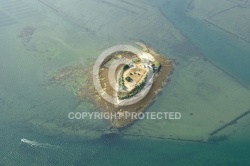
129,79
133,92
125,67
156,66
121,80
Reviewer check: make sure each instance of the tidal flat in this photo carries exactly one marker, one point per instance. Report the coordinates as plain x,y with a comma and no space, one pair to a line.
45,36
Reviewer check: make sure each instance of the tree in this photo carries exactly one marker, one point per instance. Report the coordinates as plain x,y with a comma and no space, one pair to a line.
125,67
129,79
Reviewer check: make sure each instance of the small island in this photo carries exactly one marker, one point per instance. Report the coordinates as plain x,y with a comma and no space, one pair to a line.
132,85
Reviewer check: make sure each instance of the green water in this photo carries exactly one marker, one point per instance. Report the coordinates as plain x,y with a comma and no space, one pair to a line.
23,98
222,49
122,151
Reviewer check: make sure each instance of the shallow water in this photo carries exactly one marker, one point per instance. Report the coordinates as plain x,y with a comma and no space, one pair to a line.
33,110
122,151
222,49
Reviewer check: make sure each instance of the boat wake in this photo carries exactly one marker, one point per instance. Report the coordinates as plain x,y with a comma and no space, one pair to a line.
37,144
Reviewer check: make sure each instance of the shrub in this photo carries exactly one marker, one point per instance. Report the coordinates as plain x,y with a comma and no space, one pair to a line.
125,67
129,79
